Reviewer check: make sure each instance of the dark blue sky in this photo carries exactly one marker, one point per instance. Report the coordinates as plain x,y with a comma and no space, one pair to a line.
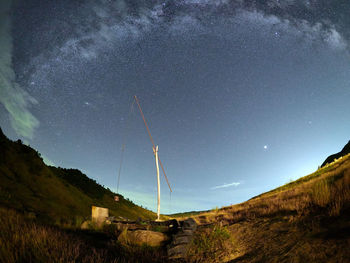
241,97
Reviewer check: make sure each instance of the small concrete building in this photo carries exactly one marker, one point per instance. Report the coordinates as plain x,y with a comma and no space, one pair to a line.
99,215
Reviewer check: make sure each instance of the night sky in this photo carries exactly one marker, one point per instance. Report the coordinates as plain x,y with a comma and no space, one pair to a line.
240,96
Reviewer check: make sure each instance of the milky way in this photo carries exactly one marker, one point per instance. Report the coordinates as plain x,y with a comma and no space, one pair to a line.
241,96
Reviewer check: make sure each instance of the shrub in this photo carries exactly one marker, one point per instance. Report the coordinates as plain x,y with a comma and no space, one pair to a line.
208,243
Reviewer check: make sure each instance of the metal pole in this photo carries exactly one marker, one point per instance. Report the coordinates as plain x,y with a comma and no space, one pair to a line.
150,136
155,150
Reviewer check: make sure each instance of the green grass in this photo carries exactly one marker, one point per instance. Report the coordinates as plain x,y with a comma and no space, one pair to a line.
54,195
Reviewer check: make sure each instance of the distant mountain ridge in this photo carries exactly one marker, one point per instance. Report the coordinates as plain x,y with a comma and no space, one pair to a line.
343,152
54,194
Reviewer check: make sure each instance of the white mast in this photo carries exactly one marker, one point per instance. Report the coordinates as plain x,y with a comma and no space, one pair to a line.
158,161
158,181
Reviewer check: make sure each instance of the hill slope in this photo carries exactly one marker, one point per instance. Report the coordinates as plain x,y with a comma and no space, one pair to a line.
343,152
307,220
53,194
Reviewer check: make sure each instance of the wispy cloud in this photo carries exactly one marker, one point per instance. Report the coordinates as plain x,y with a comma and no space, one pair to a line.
226,185
15,100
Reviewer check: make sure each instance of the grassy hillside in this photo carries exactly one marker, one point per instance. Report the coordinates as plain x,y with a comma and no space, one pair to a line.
25,240
186,214
307,220
51,194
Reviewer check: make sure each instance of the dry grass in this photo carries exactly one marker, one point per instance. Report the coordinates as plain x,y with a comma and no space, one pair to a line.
304,221
329,191
209,243
307,220
23,240
29,242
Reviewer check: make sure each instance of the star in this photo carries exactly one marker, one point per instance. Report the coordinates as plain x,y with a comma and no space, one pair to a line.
207,74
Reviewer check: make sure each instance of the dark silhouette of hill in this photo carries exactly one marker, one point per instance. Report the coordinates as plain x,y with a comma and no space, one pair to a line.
343,152
53,194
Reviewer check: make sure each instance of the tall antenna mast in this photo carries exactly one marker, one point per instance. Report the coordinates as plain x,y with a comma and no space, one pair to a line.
155,151
150,136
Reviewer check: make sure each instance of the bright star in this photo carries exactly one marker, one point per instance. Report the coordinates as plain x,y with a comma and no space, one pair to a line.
265,147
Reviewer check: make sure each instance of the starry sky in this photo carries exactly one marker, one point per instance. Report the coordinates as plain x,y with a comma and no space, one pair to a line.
241,96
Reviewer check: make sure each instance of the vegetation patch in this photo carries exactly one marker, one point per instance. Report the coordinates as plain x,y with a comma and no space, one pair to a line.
209,243
25,240
56,195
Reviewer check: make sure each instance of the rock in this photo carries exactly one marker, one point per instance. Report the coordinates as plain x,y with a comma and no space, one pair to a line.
177,251
173,223
185,232
189,223
85,225
140,237
181,240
